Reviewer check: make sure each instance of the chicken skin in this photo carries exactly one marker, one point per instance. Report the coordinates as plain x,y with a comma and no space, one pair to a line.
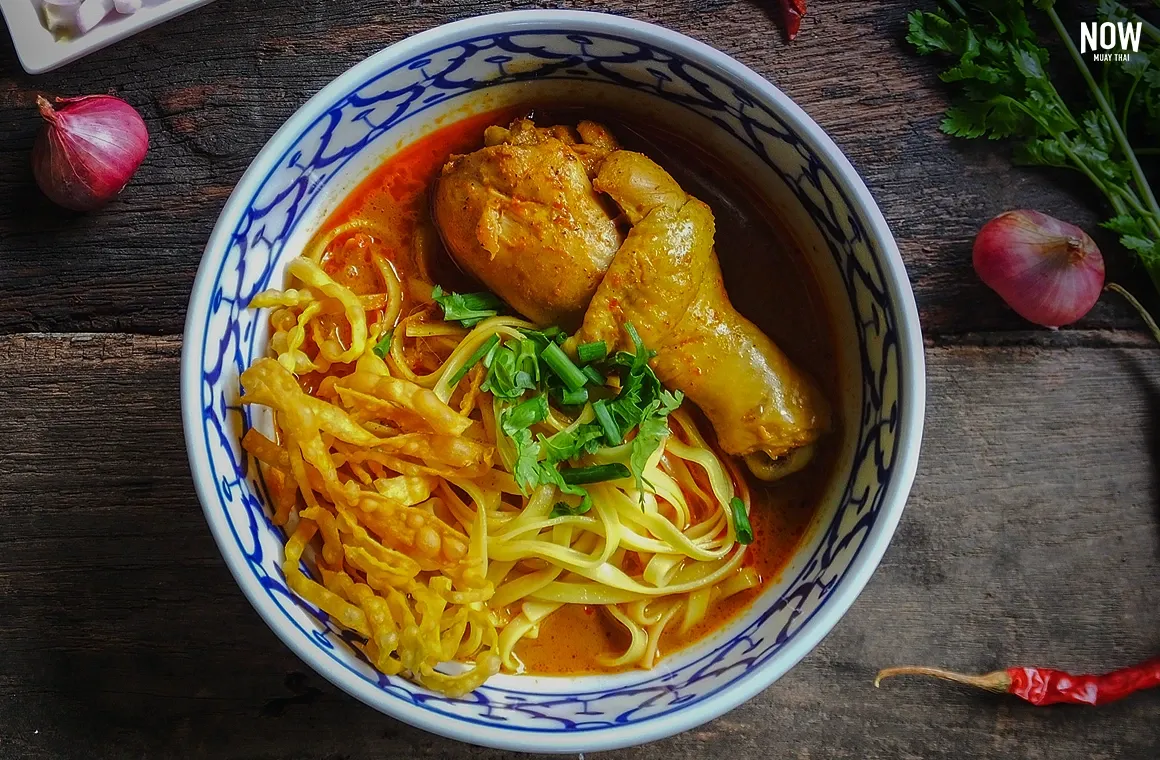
521,216
528,217
666,281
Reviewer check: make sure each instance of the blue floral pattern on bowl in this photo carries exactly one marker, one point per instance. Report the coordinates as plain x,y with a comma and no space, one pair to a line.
222,338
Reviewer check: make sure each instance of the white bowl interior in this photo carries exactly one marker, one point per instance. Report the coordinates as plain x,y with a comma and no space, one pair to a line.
348,130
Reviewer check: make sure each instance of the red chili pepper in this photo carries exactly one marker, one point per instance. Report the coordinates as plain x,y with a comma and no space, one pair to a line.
1044,686
793,11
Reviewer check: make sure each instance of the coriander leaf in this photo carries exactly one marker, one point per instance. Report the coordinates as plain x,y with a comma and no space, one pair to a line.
931,32
525,414
568,445
1042,153
649,437
549,474
1135,236
1125,224
526,469
468,309
504,380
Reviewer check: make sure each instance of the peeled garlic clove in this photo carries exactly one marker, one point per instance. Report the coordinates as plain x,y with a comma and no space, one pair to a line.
127,7
60,16
91,13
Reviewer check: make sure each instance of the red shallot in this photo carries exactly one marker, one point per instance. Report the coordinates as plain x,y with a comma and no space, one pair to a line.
1050,272
89,149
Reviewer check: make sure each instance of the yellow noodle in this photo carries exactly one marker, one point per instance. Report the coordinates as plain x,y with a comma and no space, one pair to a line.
397,487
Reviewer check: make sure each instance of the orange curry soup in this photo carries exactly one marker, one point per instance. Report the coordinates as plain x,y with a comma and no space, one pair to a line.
785,302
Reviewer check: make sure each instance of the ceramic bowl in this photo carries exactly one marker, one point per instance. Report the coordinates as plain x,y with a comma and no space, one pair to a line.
403,92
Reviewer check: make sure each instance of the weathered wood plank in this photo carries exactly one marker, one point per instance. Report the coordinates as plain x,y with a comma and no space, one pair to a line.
1032,536
215,84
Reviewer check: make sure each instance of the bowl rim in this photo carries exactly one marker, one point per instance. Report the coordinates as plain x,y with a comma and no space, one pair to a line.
912,375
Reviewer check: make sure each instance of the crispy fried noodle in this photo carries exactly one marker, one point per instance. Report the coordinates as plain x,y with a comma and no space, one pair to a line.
410,515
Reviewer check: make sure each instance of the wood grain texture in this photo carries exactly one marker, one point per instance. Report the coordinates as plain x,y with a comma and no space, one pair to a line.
215,84
1032,536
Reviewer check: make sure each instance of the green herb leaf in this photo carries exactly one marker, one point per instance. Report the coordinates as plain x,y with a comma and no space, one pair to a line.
649,437
468,309
741,526
526,469
525,414
504,379
549,474
568,445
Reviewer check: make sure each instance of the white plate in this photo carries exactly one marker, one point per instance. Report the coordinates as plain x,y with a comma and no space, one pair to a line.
39,51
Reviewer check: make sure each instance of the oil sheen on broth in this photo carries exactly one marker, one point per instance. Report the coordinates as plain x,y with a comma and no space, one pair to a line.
783,300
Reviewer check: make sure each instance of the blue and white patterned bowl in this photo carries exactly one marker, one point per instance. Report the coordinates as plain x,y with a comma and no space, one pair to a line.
433,78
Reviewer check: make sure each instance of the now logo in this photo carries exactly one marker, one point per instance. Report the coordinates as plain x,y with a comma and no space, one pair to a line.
1101,37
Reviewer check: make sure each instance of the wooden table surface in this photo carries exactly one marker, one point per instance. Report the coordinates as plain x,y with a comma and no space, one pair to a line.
1032,534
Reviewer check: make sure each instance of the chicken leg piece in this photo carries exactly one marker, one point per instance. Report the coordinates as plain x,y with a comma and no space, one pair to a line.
521,216
666,281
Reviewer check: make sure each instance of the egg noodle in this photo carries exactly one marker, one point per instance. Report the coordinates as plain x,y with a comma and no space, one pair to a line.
391,472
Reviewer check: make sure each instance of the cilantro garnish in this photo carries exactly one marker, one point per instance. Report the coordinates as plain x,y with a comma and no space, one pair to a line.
468,309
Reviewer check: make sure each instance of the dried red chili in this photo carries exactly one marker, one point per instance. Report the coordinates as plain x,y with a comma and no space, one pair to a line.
793,11
1044,686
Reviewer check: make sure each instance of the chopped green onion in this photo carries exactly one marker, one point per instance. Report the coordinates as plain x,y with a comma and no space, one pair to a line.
573,398
592,352
472,360
526,359
548,335
741,524
466,308
525,414
383,347
612,432
597,473
642,353
563,367
593,375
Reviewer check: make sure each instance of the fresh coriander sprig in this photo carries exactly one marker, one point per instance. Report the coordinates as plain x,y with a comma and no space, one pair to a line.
468,309
1005,91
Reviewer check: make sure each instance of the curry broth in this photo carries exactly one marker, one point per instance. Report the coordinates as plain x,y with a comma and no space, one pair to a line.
787,305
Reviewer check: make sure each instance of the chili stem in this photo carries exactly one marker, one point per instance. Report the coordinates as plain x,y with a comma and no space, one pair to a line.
998,681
